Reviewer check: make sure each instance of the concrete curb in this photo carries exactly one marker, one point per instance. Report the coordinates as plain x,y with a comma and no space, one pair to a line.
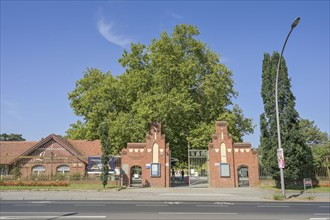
162,194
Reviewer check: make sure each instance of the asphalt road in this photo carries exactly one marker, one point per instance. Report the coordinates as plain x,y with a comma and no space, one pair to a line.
139,210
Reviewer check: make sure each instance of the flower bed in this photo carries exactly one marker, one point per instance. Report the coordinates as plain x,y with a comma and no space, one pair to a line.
34,183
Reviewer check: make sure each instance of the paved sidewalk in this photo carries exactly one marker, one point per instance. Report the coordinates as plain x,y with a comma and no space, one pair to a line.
168,194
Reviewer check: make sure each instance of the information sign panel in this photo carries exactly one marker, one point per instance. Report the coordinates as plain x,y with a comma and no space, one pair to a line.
280,158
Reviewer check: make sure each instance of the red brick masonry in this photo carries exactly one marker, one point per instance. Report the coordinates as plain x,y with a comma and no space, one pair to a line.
144,155
222,152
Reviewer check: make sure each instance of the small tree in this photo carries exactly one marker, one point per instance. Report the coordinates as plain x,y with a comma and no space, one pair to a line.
16,172
105,142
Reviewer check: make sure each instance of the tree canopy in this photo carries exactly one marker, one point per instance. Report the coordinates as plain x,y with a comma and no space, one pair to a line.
312,134
11,137
318,141
176,80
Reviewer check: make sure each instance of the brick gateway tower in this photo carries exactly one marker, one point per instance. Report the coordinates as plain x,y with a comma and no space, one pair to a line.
231,165
147,164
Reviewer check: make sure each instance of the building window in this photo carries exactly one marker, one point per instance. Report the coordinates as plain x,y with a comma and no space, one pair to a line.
155,149
223,151
63,169
38,170
4,170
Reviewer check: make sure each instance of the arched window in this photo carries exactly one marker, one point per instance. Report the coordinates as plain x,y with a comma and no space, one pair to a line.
223,151
155,149
38,170
63,169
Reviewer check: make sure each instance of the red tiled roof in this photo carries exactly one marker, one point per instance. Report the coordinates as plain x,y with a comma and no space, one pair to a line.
9,150
87,148
60,140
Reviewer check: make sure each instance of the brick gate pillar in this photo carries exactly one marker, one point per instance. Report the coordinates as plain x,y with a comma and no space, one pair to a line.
153,157
226,157
222,170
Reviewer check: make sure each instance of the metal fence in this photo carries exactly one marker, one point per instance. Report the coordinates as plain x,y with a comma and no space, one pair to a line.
319,173
67,178
76,168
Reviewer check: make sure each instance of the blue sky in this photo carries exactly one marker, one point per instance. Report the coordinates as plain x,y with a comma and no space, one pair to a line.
46,46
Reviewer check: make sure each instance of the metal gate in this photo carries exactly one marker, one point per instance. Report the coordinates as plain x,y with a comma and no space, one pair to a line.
136,176
198,165
243,176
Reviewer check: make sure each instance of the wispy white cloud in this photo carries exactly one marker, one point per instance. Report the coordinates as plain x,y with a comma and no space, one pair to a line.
174,15
107,30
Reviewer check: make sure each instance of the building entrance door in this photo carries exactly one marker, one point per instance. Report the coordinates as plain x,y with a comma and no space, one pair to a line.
198,168
136,176
243,176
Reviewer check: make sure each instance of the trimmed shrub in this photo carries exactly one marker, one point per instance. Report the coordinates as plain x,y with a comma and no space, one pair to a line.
44,183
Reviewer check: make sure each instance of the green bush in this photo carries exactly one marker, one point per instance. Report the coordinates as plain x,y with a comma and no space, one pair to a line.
60,176
278,196
44,183
75,176
16,172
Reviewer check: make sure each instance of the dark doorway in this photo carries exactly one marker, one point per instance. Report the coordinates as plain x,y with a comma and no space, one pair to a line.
243,176
136,176
179,176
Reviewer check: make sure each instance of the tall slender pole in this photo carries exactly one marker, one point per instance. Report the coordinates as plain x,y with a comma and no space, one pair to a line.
189,164
294,24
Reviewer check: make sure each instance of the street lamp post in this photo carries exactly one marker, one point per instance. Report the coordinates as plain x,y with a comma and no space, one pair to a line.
294,24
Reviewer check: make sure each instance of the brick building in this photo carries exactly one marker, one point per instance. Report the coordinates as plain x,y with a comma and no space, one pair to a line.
147,164
142,164
50,156
231,164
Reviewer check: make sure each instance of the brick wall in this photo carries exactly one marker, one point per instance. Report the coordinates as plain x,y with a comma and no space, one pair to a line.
223,153
51,169
154,150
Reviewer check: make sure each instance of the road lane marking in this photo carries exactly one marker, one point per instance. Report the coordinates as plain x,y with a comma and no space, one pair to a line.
197,213
322,214
151,205
90,205
40,202
212,205
224,203
323,206
173,203
273,206
51,217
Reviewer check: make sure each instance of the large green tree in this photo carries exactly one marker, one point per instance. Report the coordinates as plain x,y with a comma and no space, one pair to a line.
297,154
176,80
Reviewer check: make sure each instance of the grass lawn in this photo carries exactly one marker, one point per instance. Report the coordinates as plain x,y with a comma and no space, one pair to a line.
315,189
